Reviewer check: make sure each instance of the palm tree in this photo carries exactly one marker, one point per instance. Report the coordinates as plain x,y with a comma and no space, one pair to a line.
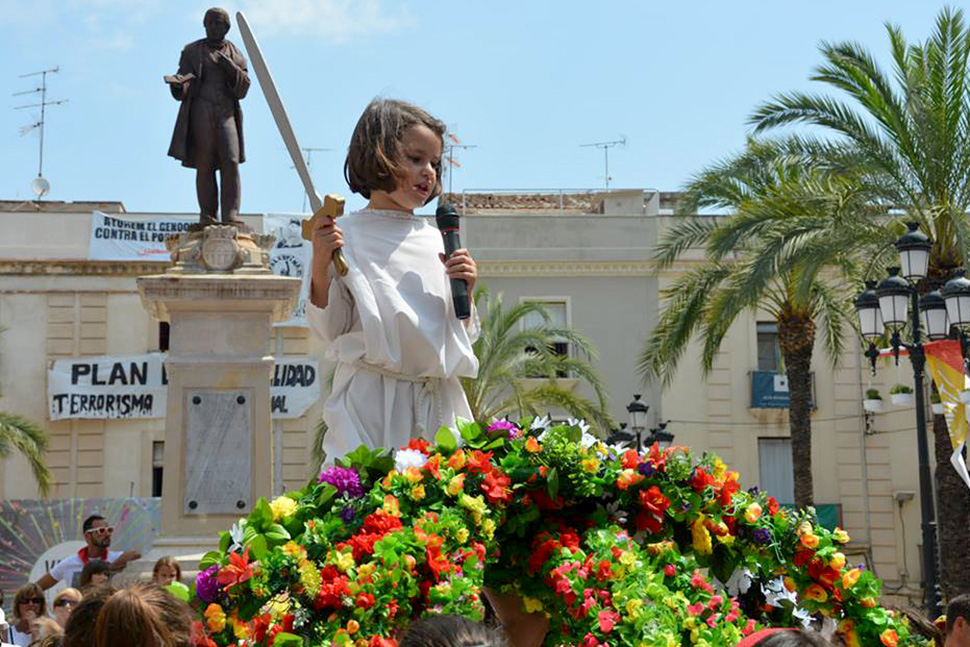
782,205
911,132
18,433
519,370
509,351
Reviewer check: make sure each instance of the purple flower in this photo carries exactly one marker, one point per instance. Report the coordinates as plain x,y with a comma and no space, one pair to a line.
762,536
505,425
206,586
646,468
345,479
753,490
347,514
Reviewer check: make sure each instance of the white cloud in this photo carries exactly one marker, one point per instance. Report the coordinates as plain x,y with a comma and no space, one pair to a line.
337,21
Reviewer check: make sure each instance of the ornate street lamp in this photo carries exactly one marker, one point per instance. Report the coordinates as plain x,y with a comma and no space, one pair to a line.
893,304
660,436
638,418
956,294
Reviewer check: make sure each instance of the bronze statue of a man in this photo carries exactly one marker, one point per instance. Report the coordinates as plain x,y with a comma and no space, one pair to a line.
208,133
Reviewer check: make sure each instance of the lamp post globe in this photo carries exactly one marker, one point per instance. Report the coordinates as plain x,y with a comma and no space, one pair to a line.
894,293
935,319
956,294
914,253
638,417
870,316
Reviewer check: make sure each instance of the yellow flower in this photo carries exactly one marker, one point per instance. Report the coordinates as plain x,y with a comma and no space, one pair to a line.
633,606
345,561
531,604
456,484
727,539
391,506
840,536
215,618
590,465
837,561
752,513
310,577
240,629
701,537
628,558
488,527
293,549
475,505
283,507
413,475
417,492
462,535
367,569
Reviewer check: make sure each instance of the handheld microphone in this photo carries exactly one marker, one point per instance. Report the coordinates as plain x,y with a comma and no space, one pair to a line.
447,220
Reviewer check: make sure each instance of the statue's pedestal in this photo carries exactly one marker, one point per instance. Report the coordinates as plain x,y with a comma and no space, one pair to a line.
218,436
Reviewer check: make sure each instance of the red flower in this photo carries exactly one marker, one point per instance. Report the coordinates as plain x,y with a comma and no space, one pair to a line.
541,555
804,556
421,445
604,570
727,491
658,457
630,459
479,461
670,570
701,480
496,486
365,600
379,641
437,561
772,505
238,571
433,466
332,589
260,627
654,504
199,637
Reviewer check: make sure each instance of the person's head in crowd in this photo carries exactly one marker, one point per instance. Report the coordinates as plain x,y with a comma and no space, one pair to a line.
166,571
958,621
44,627
79,631
143,615
64,602
28,605
778,637
95,573
451,631
97,532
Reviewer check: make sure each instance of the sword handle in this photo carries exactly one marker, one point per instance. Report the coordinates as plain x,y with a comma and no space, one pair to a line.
333,207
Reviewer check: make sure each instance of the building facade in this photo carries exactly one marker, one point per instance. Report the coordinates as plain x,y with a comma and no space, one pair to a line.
585,254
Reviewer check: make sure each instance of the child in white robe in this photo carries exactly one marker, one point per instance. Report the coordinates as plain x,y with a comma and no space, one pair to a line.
390,322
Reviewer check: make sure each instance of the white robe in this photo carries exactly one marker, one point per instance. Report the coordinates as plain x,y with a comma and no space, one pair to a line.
398,347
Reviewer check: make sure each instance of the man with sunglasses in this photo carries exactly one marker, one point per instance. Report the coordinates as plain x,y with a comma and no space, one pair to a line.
97,537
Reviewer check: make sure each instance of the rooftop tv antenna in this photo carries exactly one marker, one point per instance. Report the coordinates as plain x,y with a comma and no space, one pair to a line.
308,152
40,185
449,156
606,146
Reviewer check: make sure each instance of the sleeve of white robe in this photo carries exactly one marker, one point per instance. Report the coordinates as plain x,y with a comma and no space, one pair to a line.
338,317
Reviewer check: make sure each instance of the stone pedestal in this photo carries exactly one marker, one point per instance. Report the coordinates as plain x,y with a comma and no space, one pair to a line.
218,435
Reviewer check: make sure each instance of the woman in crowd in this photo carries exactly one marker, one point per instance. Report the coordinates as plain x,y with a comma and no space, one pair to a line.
79,631
28,605
143,615
451,631
45,630
64,603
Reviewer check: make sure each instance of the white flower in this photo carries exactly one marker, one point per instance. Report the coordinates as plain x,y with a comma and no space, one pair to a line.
775,592
237,535
540,422
739,582
405,458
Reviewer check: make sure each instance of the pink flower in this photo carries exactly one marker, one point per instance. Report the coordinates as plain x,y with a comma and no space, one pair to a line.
670,570
695,609
608,620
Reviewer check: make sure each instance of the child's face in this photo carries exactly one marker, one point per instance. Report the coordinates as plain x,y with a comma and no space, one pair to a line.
165,575
99,578
421,149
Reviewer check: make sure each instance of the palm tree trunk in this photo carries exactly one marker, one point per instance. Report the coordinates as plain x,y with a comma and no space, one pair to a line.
953,513
796,336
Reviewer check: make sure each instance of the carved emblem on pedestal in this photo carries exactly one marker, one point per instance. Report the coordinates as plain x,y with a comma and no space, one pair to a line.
220,251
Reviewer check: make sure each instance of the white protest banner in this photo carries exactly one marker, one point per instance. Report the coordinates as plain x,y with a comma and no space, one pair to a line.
117,238
107,387
295,386
136,386
291,256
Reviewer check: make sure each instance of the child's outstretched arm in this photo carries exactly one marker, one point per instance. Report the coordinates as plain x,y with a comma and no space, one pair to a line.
327,237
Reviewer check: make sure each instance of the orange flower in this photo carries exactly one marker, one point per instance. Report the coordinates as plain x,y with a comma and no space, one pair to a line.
889,638
809,540
851,577
532,445
238,571
392,506
457,460
817,593
627,478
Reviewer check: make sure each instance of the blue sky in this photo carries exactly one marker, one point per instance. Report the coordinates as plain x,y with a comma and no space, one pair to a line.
528,82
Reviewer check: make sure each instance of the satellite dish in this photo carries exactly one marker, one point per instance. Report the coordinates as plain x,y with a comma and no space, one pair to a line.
40,187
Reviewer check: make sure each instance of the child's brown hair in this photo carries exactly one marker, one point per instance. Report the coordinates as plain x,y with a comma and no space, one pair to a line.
172,563
143,615
374,155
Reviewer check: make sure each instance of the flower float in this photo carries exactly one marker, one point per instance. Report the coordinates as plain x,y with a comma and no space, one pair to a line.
615,547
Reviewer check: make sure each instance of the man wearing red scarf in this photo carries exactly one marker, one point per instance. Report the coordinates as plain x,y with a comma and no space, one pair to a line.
97,538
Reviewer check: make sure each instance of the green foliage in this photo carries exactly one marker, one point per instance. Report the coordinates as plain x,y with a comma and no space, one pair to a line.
30,441
873,394
900,388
